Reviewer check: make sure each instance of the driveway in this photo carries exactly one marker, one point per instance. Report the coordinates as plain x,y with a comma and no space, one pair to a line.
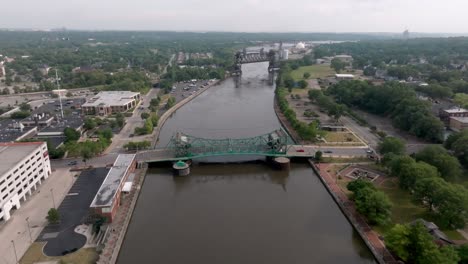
73,211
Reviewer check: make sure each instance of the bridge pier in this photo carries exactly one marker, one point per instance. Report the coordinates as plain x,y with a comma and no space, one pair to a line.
279,163
181,168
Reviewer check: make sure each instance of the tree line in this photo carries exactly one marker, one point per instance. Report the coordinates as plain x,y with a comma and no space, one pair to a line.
394,100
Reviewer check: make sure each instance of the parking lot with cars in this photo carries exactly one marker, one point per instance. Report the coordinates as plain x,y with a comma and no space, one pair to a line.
183,90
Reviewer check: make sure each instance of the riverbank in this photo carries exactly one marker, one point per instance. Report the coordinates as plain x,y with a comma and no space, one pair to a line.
119,227
117,230
164,117
370,237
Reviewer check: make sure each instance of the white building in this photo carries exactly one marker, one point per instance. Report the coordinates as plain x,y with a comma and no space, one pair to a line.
23,167
344,76
106,103
300,45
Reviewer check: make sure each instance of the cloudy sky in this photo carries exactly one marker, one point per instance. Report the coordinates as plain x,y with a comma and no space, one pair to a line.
439,16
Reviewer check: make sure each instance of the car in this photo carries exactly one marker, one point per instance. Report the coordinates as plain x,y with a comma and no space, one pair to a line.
328,151
131,135
369,151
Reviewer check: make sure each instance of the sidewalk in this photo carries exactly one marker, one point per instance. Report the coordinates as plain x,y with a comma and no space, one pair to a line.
35,208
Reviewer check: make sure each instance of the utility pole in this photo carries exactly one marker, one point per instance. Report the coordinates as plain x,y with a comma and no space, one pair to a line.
58,90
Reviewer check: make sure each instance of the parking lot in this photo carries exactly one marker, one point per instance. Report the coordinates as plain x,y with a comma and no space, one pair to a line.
185,89
61,238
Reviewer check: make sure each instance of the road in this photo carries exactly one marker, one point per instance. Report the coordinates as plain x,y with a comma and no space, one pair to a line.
333,151
363,132
126,134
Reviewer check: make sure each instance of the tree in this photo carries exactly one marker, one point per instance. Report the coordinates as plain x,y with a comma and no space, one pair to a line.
448,166
397,240
20,114
71,134
337,64
463,253
154,119
411,173
86,154
371,203
25,107
306,75
391,145
145,115
303,84
429,191
106,133
318,155
89,123
120,119
314,94
69,94
53,216
170,102
452,210
413,244
6,91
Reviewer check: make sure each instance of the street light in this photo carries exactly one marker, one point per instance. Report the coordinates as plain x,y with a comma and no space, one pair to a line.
29,229
53,200
14,250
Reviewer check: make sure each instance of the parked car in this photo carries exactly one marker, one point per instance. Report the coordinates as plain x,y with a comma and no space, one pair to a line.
328,151
73,162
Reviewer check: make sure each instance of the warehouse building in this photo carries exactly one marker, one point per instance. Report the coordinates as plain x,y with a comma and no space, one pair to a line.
23,167
107,200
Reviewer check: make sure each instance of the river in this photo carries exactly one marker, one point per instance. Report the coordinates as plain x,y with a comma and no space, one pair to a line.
237,212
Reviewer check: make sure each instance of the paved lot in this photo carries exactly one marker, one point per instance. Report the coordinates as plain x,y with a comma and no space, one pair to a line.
35,210
73,211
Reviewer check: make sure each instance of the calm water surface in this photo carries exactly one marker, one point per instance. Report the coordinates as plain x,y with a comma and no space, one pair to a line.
237,213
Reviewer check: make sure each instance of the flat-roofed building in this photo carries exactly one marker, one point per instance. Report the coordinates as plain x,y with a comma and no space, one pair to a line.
458,123
344,58
107,200
23,166
446,114
343,76
106,103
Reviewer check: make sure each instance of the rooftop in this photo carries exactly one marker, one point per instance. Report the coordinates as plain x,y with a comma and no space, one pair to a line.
111,98
13,153
460,119
343,56
109,187
11,130
343,75
456,110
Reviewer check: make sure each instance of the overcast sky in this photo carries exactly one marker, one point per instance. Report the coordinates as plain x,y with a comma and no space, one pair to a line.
240,15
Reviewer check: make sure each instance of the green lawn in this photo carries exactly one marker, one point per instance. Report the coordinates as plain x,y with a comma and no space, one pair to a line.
316,71
405,211
82,256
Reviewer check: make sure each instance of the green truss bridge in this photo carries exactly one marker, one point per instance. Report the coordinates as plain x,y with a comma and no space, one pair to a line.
186,147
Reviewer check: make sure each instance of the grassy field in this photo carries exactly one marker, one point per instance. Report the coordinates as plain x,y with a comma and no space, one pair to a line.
82,256
316,71
341,137
405,211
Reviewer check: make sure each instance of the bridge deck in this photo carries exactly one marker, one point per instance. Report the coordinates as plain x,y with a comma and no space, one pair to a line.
160,155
